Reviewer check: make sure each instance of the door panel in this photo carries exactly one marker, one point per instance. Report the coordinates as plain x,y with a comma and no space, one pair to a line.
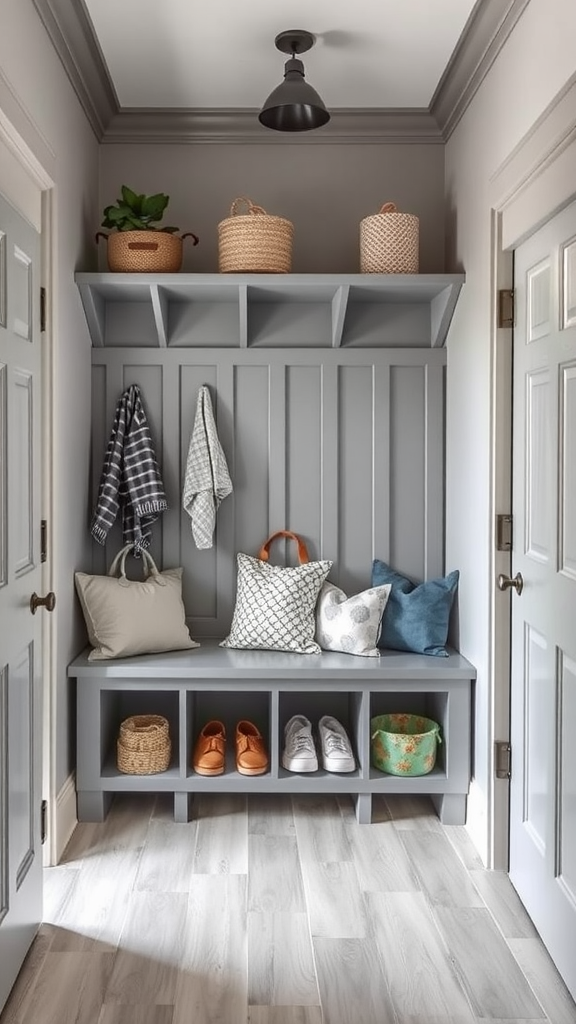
20,576
543,695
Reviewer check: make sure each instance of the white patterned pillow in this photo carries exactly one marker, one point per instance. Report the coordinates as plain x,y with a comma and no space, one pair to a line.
275,606
350,624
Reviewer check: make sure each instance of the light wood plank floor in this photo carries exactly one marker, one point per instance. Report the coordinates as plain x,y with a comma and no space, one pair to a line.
271,910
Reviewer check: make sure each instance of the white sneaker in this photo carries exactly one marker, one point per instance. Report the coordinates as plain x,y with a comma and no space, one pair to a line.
299,754
337,753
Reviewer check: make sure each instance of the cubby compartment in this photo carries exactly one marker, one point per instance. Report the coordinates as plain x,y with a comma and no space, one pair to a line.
269,310
117,705
345,706
430,705
228,707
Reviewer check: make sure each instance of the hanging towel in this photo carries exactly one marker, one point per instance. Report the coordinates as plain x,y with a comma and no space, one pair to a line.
207,481
130,478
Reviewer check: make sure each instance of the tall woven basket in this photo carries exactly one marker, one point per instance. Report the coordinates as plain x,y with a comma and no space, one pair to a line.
143,746
254,242
389,242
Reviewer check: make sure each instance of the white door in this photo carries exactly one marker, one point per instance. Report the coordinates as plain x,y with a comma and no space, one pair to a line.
20,577
543,701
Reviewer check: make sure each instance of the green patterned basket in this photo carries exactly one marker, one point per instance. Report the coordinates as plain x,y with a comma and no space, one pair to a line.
404,744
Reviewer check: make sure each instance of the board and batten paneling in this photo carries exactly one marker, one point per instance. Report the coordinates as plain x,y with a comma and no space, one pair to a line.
342,446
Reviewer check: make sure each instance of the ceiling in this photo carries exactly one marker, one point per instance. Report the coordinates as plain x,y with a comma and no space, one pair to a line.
185,70
369,53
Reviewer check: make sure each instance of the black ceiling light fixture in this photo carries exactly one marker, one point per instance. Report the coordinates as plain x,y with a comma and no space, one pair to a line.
294,106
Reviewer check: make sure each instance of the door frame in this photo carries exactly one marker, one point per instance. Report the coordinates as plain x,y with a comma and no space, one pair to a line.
33,192
535,181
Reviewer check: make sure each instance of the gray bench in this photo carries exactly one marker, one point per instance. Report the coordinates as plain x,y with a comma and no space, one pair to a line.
268,687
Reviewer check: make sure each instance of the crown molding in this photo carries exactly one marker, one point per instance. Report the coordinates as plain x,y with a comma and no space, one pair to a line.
69,27
486,31
242,126
70,30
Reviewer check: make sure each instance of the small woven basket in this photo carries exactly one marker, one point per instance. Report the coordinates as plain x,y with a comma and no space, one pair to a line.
147,252
389,242
254,242
143,746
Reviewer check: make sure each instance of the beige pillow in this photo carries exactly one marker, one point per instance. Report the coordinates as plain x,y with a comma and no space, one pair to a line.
127,617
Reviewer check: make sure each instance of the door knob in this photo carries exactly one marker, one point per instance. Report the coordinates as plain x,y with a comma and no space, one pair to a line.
48,602
505,582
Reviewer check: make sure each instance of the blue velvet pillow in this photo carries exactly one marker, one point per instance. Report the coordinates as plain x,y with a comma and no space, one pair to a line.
416,617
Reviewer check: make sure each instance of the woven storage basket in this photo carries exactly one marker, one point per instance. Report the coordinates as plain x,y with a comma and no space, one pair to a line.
147,252
404,744
389,242
143,746
254,242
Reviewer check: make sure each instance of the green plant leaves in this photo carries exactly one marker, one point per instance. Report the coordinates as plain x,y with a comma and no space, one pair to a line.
131,199
136,212
153,206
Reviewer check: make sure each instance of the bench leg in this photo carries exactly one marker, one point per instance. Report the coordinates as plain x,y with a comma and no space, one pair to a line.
363,803
450,807
182,808
92,805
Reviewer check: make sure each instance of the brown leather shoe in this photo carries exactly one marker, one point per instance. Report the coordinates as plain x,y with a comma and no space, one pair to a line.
209,755
251,756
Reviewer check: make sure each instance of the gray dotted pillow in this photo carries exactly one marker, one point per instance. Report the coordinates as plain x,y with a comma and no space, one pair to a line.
350,624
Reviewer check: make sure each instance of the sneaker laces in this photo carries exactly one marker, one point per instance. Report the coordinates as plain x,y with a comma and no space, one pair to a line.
301,740
334,743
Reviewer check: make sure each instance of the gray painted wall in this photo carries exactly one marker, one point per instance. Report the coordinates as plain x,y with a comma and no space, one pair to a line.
344,447
325,189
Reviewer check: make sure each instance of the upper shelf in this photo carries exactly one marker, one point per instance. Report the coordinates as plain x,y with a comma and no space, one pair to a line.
269,310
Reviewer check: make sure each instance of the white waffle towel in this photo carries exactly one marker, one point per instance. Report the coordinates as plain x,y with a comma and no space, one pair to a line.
207,480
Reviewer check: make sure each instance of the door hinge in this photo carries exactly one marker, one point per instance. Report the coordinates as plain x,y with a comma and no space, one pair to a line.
44,822
503,533
506,307
502,759
43,540
42,309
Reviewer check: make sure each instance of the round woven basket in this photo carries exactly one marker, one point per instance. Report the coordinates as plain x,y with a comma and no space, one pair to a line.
143,746
132,252
389,242
254,242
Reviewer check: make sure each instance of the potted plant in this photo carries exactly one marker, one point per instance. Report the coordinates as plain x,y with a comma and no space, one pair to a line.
136,243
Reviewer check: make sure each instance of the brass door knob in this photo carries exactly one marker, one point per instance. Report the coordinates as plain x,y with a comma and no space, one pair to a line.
48,602
505,582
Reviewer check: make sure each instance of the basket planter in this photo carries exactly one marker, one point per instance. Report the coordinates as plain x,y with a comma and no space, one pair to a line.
144,746
146,252
389,242
254,242
404,744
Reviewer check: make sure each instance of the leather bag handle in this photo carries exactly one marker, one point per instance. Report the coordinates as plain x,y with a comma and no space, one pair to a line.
303,556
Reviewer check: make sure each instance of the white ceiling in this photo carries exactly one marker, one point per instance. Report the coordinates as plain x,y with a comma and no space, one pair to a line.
221,54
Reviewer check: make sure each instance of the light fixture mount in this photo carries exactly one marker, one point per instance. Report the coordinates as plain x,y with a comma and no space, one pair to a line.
294,106
294,41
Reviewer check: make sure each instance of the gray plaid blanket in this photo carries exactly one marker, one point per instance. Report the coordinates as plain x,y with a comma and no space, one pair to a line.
130,478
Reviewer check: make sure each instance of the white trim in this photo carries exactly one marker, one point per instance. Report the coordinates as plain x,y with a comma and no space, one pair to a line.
499,561
537,179
64,818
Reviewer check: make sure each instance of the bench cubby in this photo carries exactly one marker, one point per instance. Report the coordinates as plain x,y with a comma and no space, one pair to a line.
268,687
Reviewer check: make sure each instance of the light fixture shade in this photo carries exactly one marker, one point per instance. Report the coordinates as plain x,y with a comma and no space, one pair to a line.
293,106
